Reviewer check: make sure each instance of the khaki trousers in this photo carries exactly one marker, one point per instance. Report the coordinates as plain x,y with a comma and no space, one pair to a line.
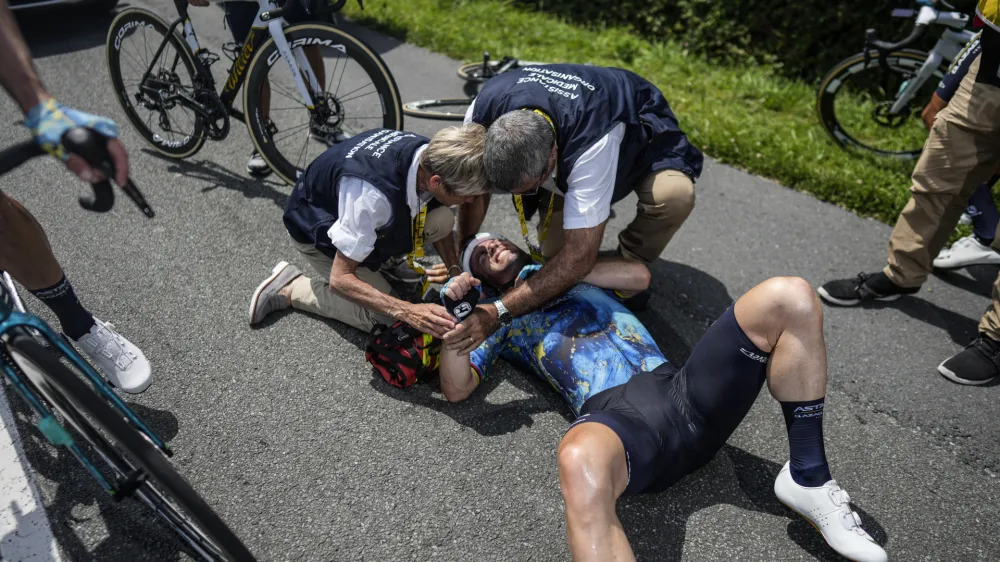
316,296
666,199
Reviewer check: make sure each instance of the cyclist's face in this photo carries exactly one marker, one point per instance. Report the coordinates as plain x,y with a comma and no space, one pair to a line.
496,262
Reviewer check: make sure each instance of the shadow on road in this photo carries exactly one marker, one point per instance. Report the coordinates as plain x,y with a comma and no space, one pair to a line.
219,176
72,500
486,418
960,329
59,30
979,282
656,524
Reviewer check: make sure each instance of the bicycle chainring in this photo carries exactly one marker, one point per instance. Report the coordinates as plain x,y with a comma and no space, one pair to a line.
214,116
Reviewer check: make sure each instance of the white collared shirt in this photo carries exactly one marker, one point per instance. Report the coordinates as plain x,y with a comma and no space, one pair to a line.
362,209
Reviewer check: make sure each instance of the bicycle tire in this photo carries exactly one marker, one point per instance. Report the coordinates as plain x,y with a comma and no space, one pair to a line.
831,83
71,396
426,109
314,34
126,23
473,71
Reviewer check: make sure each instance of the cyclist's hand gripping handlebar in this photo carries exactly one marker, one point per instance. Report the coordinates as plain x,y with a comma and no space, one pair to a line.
93,148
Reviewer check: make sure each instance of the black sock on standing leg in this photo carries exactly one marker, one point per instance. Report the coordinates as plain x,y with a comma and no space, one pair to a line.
76,321
804,422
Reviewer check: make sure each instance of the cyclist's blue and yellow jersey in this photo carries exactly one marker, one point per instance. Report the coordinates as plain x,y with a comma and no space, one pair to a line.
581,343
989,12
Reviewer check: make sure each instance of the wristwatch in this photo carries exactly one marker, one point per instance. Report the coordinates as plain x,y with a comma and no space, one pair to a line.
503,315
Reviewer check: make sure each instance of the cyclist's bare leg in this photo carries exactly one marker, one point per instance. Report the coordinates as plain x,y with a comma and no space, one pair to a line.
592,474
25,252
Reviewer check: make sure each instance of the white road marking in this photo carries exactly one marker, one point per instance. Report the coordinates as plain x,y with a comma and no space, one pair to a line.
25,533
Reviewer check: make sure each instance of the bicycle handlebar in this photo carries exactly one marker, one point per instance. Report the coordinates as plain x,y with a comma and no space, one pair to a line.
92,147
913,37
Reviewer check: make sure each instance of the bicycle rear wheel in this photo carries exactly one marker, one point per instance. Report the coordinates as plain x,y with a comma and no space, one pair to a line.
854,104
130,454
444,109
358,94
167,123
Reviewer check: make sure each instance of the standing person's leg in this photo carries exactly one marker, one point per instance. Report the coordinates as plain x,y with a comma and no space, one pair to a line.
961,153
288,287
25,253
666,199
975,249
979,362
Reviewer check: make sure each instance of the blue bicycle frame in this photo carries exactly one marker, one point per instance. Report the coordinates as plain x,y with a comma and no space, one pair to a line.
11,319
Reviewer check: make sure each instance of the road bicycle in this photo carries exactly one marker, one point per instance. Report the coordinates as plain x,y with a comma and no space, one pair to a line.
474,74
873,100
163,81
75,406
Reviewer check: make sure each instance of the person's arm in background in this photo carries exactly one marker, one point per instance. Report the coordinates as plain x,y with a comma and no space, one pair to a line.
619,274
471,215
48,119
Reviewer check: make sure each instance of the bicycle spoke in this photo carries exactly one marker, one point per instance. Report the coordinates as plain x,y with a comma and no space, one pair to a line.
305,144
341,78
291,132
359,97
287,94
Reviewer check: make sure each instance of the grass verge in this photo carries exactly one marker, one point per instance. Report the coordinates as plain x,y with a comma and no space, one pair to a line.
748,117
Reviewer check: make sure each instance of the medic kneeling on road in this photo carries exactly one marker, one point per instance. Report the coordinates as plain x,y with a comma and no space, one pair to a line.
643,423
361,212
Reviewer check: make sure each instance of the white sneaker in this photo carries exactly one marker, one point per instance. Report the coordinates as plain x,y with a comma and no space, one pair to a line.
827,508
965,219
966,251
118,359
257,166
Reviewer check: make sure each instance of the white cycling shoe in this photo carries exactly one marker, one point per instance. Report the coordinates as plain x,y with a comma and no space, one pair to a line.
827,508
118,359
964,252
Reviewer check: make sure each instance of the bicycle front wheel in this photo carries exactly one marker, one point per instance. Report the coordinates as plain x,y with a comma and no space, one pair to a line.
129,453
855,103
356,93
444,109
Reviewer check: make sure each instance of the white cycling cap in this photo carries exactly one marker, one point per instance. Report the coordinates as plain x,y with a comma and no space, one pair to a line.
477,240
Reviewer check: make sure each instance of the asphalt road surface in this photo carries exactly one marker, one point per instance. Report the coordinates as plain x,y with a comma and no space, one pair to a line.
289,437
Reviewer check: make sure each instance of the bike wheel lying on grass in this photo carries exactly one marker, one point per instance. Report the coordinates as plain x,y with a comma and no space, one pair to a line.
446,109
855,100
127,452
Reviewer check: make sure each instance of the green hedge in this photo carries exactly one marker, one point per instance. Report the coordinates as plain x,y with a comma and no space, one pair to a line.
801,37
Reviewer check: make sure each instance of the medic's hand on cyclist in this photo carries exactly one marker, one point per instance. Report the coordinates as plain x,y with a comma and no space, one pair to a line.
49,120
437,273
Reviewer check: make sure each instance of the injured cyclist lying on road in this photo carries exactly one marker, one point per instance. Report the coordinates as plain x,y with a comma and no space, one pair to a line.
643,423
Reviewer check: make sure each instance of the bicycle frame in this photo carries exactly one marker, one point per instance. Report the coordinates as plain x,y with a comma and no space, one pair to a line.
949,45
293,57
11,319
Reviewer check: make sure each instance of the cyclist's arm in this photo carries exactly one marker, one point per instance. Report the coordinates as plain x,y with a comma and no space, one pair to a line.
20,79
461,374
17,73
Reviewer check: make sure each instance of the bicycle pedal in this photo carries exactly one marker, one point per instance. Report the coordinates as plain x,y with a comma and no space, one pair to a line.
232,50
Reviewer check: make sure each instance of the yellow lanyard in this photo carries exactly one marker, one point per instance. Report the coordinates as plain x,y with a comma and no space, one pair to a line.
418,248
536,251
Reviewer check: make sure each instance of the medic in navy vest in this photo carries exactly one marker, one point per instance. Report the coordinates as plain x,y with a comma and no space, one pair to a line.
312,208
585,103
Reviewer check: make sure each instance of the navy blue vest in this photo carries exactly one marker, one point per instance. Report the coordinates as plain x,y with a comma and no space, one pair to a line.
584,103
381,157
